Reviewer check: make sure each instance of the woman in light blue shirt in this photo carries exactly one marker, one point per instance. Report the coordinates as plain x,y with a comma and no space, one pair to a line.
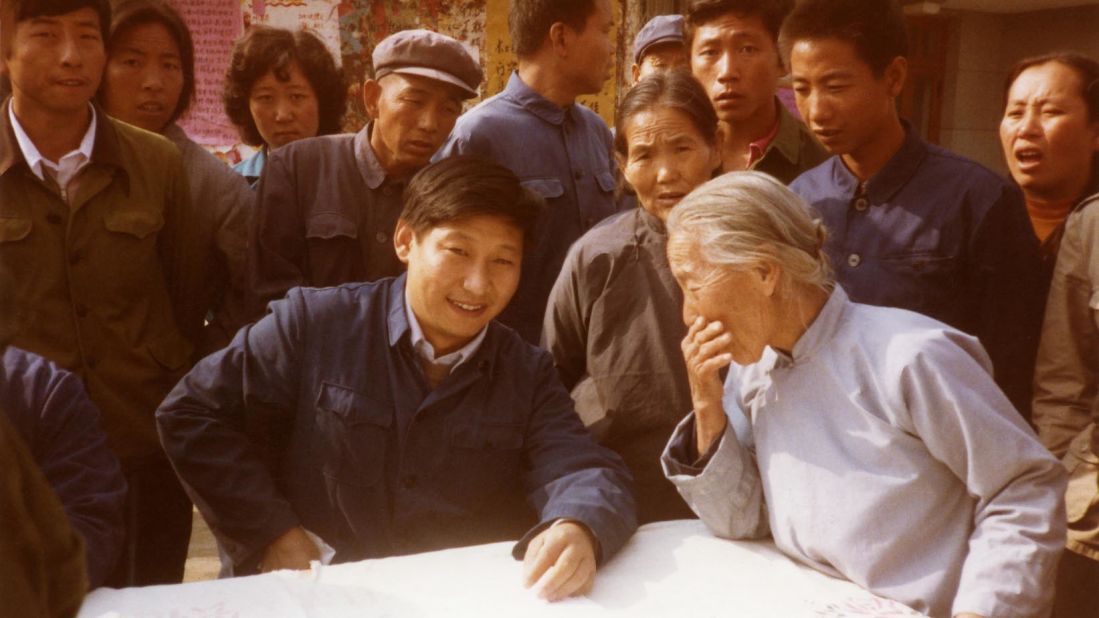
870,442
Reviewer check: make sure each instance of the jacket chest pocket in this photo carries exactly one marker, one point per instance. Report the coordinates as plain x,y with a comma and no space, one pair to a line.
131,245
926,282
353,432
489,455
334,251
17,251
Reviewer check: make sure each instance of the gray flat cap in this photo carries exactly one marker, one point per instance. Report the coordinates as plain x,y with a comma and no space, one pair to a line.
428,54
660,29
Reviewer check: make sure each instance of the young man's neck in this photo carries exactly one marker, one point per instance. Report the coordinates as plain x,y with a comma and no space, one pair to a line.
54,134
869,158
741,134
541,78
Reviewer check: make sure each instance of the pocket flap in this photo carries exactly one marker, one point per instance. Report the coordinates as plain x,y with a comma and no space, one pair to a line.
352,406
13,228
328,225
488,436
548,188
606,181
139,223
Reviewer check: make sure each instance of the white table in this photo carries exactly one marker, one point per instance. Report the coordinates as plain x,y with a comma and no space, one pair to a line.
667,569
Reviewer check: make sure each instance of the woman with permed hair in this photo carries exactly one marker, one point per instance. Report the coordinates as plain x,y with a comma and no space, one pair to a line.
281,86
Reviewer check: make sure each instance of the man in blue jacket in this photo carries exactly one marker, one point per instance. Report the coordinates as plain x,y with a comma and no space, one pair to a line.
396,417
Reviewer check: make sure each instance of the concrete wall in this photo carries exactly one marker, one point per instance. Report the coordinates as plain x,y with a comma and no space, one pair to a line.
983,48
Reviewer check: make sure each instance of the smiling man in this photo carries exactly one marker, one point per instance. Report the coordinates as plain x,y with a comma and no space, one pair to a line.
111,263
401,418
734,53
327,206
911,225
559,148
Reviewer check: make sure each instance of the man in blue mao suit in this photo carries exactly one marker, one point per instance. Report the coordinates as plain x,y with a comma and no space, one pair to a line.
395,417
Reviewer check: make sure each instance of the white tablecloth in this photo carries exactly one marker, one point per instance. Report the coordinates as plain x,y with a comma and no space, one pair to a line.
667,569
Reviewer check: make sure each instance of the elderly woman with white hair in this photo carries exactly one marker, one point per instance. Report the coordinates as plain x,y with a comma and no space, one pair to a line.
871,442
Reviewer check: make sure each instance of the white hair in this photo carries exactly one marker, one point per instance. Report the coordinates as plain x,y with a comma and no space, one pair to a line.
744,218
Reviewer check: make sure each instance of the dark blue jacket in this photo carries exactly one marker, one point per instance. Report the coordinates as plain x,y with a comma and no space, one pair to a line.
299,422
938,234
49,408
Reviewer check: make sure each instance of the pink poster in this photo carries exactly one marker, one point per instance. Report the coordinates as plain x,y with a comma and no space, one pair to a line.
215,25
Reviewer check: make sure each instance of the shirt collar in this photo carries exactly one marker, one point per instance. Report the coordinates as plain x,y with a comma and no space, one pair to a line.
518,91
369,166
820,332
758,148
35,160
902,166
252,167
402,320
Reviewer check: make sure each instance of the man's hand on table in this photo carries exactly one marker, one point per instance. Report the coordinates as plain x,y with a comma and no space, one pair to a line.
560,562
293,550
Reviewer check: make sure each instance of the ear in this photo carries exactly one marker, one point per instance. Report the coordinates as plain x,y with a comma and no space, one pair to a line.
895,74
559,37
635,72
372,93
768,274
403,237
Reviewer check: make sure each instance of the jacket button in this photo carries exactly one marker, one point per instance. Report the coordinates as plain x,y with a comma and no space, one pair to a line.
862,204
54,218
381,237
409,481
854,260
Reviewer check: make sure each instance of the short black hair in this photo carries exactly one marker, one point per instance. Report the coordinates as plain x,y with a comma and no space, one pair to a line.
701,12
1085,68
132,13
676,89
22,10
529,21
875,27
467,186
263,49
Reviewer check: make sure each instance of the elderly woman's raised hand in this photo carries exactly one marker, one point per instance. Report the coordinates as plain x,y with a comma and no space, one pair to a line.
705,349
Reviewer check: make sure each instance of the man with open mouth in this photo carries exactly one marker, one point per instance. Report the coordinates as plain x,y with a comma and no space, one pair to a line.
395,417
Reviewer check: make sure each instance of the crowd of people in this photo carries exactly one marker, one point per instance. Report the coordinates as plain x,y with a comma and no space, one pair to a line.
512,322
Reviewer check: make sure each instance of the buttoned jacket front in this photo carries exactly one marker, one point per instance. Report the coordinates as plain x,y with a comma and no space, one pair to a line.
112,283
363,454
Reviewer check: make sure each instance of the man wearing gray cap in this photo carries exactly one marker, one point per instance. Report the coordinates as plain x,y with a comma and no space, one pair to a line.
659,46
558,148
327,206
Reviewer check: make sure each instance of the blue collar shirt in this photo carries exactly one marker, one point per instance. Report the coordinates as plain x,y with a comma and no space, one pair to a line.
936,233
319,415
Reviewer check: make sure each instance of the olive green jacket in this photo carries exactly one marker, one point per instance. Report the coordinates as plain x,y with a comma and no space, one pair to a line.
112,284
793,151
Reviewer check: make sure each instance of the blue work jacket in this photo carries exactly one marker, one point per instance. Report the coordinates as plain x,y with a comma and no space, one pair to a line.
319,415
60,424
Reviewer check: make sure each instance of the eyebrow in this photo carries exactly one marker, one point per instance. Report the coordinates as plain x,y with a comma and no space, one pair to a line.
458,235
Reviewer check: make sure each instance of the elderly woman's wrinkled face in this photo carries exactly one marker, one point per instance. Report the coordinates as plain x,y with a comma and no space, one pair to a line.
666,158
1047,139
738,297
